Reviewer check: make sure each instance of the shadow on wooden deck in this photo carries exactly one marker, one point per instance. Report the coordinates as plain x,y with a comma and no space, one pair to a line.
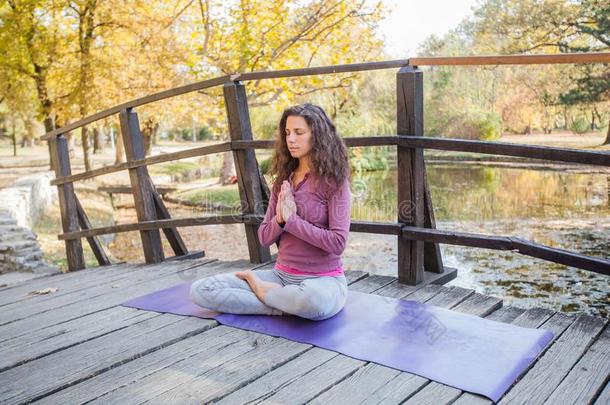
78,345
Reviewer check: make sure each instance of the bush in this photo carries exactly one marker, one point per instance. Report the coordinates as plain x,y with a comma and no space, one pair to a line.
475,125
488,127
368,160
205,134
579,126
186,134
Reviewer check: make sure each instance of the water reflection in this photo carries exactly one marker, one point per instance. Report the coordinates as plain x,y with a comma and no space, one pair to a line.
565,210
483,193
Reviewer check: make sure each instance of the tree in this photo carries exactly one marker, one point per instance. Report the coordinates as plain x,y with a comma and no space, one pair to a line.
18,105
525,26
31,48
592,90
82,56
526,97
252,35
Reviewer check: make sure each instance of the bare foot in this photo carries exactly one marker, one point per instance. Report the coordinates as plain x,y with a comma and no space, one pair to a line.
258,286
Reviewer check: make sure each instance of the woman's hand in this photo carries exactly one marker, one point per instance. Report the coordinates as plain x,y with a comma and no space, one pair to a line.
286,204
278,209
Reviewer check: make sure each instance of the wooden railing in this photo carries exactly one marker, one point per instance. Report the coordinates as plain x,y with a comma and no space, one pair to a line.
419,256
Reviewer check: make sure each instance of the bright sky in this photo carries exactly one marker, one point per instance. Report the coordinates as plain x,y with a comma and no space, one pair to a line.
411,21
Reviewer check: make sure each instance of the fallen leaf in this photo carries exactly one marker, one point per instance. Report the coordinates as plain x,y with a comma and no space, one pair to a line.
42,291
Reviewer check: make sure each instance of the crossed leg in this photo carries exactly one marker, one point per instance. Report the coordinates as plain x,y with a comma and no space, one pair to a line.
228,293
263,292
315,298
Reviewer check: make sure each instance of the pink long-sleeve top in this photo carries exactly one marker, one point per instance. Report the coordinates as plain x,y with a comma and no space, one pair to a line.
312,239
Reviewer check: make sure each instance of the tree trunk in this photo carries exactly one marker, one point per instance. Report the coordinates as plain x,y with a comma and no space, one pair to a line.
28,136
84,133
86,26
119,151
147,144
48,127
228,168
149,132
14,137
155,135
607,141
98,142
600,122
110,137
71,141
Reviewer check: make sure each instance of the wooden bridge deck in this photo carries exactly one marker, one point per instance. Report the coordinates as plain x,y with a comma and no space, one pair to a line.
77,345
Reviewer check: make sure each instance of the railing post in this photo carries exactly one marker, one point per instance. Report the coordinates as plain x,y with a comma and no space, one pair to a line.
248,174
140,185
67,201
410,174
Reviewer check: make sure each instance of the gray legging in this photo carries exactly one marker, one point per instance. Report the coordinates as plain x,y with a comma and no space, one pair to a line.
311,297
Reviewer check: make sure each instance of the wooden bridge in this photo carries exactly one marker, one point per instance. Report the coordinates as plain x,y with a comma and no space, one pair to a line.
76,344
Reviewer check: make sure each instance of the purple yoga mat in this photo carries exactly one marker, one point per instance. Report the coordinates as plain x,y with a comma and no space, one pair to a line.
467,352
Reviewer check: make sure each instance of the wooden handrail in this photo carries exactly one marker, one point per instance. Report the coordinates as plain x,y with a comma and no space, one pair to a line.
152,225
448,144
588,57
562,58
514,244
551,153
508,149
320,70
127,189
385,140
382,228
151,160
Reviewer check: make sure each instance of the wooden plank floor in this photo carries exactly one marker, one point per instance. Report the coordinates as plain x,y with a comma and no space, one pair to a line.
78,345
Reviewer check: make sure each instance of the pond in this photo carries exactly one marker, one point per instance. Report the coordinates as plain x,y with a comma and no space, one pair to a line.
567,210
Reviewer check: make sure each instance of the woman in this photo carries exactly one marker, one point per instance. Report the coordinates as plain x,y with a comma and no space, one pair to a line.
308,216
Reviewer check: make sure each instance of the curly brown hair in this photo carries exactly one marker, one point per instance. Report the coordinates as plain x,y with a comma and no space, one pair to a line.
329,156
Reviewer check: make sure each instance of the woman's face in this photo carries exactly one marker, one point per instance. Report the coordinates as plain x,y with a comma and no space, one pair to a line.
298,136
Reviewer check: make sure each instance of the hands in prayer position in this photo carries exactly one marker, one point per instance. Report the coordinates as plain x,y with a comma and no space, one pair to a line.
286,206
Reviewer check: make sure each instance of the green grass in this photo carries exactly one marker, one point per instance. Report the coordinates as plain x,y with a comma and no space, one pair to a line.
62,262
228,195
174,168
